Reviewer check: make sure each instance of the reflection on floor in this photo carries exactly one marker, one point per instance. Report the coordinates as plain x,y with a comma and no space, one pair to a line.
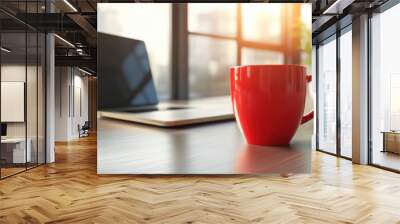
387,159
11,169
70,191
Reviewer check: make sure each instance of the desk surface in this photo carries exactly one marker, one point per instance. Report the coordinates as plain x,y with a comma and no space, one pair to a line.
390,132
214,148
13,140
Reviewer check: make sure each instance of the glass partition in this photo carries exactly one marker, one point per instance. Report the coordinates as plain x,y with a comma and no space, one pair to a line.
41,96
22,92
31,98
15,151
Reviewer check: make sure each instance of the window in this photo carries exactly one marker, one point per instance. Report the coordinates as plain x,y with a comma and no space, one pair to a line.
327,96
257,56
255,16
227,34
217,19
385,89
346,94
306,37
209,58
334,106
219,36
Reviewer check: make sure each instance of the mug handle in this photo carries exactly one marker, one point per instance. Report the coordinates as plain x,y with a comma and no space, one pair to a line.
309,115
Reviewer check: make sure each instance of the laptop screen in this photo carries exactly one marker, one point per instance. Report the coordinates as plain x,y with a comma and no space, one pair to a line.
124,75
3,129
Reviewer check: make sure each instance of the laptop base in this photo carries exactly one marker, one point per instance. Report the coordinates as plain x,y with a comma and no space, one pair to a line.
185,113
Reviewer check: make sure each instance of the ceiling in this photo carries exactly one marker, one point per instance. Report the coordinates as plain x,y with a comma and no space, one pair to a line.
333,14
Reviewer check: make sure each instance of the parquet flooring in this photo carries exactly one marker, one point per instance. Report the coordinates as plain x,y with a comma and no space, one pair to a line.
70,191
10,171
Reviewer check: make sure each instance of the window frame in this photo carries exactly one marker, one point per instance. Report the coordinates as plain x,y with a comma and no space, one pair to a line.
370,148
41,37
180,38
282,47
333,37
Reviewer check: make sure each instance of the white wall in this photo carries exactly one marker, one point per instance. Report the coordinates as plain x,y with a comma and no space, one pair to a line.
62,82
79,117
70,83
15,72
13,101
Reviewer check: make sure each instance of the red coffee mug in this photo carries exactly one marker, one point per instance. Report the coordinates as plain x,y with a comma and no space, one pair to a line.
268,101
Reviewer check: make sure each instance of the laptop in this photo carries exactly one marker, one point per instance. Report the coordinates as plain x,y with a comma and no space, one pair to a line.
126,89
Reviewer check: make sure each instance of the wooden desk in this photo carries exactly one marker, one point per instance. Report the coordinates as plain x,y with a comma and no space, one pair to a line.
391,141
214,148
16,154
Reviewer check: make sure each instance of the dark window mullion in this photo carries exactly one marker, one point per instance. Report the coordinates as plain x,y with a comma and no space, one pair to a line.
37,90
180,62
26,87
338,78
369,79
317,97
216,36
0,95
44,81
244,43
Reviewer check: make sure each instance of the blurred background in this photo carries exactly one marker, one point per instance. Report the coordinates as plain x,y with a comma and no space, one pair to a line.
191,46
51,48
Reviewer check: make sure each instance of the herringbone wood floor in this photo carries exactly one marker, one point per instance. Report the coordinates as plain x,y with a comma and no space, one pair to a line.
69,191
